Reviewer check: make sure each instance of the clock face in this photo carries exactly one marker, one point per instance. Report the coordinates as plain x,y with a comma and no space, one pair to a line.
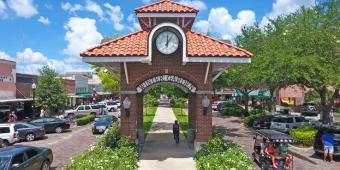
167,42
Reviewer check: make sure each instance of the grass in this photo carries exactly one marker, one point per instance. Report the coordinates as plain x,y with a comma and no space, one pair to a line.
182,118
149,114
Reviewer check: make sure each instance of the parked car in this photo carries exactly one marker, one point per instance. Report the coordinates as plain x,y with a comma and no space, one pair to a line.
335,130
284,123
81,110
8,134
220,105
111,106
29,131
102,122
52,124
101,107
263,122
309,109
25,158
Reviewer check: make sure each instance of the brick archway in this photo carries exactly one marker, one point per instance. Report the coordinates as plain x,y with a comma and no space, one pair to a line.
199,59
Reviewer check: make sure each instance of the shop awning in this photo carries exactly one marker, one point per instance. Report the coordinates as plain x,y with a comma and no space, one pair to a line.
260,94
86,95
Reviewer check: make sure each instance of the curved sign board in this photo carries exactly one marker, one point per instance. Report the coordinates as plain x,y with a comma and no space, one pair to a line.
166,79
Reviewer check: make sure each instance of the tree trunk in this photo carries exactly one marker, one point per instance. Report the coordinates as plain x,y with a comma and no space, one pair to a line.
246,100
323,105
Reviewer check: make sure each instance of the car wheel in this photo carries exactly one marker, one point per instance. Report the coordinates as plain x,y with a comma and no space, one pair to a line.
46,165
5,144
30,137
71,115
59,130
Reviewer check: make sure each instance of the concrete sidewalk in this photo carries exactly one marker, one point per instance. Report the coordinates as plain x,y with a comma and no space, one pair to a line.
160,150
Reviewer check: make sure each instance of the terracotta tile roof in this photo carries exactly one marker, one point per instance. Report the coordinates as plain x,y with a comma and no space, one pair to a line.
203,46
166,6
134,44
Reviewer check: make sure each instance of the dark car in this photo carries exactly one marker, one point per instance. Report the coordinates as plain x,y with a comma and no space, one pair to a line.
102,122
309,109
335,130
25,157
28,131
52,124
263,122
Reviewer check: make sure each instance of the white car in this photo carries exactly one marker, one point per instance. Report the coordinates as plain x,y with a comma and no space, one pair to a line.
284,123
112,106
83,110
8,133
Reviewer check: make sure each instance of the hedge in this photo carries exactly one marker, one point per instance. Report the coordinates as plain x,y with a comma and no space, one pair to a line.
111,152
248,121
219,153
233,110
303,135
85,120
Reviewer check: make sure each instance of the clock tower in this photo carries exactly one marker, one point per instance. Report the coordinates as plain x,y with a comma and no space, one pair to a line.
167,50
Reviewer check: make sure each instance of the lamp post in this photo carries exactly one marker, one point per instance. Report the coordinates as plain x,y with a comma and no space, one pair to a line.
205,103
34,86
127,105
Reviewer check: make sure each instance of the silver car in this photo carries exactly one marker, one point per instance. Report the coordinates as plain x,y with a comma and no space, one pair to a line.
284,123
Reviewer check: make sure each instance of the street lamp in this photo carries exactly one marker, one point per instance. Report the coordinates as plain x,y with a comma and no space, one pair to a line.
34,86
127,105
205,103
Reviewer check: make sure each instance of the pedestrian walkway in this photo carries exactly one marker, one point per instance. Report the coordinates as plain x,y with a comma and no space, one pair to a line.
160,151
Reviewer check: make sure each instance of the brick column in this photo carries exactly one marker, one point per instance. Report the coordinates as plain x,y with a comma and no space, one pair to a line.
129,124
140,109
191,110
203,122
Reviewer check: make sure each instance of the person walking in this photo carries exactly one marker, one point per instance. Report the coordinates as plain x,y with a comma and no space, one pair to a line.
328,145
331,117
175,130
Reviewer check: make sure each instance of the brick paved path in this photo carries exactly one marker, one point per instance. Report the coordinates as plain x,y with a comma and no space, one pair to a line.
236,132
160,151
66,145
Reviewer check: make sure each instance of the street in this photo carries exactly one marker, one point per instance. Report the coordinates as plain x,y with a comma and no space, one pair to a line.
66,145
237,133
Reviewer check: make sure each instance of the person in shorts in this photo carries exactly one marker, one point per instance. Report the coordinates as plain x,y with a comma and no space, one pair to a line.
328,145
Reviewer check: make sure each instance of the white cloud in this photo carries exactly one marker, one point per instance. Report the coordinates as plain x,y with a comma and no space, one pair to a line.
29,61
23,8
94,7
81,34
146,1
71,8
283,7
116,16
199,4
134,24
44,20
5,56
221,23
2,9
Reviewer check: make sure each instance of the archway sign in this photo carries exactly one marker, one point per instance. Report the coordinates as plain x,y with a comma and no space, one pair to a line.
166,50
166,79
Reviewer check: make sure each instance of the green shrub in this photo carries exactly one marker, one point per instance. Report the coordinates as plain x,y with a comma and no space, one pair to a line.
248,121
150,101
111,152
233,110
110,137
85,120
222,154
218,132
303,135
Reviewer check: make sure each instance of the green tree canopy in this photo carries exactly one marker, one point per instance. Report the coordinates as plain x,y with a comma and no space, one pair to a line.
50,93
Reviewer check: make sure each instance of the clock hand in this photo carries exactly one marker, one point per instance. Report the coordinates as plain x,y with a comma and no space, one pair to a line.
167,40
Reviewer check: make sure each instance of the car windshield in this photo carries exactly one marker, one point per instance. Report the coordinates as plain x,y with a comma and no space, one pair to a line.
4,162
104,119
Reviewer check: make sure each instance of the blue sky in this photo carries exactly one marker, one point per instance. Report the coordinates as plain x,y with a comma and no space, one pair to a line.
53,32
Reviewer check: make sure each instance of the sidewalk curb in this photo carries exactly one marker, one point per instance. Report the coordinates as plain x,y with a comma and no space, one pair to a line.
301,156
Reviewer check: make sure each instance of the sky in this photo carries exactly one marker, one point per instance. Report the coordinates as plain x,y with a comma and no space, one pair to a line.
35,33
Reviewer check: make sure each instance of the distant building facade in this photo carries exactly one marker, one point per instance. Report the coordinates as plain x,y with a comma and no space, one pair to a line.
7,79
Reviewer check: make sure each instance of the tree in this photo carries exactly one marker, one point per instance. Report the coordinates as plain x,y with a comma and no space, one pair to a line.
109,80
50,94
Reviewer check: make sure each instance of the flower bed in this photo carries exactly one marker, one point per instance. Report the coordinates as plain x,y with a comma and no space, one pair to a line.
248,121
85,120
219,153
111,152
232,109
303,135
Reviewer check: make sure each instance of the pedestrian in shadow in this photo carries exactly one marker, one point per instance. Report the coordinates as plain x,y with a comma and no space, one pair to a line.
175,131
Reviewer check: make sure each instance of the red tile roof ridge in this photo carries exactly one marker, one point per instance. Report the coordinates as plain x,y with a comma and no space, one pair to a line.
162,1
222,42
112,41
